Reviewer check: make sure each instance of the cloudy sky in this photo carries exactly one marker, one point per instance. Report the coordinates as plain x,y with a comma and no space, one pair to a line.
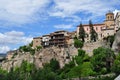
21,20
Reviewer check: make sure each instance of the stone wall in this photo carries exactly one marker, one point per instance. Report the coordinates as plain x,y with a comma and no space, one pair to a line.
89,47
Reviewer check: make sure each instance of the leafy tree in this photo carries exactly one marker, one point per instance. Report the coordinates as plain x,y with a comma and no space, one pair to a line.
102,58
38,48
81,53
75,37
81,33
27,49
31,44
93,34
45,74
66,69
110,39
87,69
54,64
116,65
78,43
79,58
3,74
75,72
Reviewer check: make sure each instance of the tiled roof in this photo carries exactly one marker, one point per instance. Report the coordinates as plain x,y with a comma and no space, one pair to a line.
93,25
37,37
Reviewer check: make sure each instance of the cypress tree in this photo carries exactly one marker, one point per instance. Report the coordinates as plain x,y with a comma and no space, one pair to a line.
93,34
82,33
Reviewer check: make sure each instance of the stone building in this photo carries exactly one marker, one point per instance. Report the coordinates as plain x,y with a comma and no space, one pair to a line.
97,28
117,21
109,20
37,41
65,38
60,38
103,30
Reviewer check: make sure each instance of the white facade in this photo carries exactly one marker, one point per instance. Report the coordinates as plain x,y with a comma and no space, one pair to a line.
45,40
117,21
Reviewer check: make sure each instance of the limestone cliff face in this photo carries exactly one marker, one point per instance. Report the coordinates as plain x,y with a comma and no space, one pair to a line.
116,43
15,58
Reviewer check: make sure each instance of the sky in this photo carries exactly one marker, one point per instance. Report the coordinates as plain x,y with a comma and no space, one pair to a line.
21,20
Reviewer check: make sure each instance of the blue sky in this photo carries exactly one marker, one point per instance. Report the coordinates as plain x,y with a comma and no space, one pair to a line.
21,20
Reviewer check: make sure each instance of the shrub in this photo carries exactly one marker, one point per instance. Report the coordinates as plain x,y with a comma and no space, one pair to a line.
78,43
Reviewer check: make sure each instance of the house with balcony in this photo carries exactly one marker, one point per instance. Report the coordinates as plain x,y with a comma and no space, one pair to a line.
59,38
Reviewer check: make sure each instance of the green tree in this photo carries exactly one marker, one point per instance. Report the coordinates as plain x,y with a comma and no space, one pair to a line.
79,59
102,59
87,69
93,34
78,43
38,48
81,33
31,44
116,65
3,74
110,39
75,72
64,71
54,64
27,49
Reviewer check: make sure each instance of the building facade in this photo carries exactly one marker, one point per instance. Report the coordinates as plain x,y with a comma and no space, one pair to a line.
59,38
109,22
117,21
103,30
45,40
64,38
37,41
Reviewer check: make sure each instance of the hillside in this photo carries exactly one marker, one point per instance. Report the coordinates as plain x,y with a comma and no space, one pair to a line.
42,56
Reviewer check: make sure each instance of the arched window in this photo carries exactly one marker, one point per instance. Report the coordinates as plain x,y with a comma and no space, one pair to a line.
111,17
108,17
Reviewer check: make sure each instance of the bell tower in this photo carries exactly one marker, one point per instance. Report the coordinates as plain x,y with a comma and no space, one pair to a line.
109,19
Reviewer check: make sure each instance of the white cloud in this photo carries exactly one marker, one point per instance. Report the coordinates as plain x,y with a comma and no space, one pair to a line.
67,8
21,11
18,12
4,49
63,26
13,38
14,33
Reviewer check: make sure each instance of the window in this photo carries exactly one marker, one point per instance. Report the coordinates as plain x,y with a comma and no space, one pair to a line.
108,17
87,29
101,35
36,41
111,17
96,28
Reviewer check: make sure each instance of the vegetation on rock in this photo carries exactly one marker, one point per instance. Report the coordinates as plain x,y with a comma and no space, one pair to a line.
78,43
103,61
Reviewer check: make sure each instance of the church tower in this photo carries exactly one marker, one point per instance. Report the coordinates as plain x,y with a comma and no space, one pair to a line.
109,22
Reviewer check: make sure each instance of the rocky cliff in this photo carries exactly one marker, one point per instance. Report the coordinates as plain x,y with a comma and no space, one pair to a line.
15,58
116,44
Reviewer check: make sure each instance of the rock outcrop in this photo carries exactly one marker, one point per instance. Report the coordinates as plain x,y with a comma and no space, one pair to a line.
116,43
89,47
15,58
